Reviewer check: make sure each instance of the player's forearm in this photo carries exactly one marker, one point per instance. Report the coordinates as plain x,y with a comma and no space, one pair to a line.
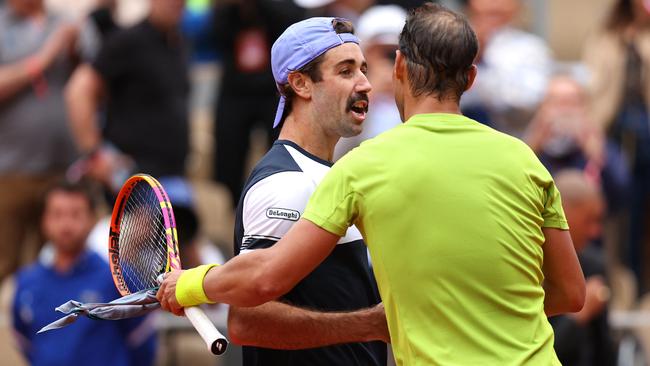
82,96
14,78
281,326
265,274
244,281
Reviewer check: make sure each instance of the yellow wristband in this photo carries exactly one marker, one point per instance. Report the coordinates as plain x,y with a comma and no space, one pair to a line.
189,287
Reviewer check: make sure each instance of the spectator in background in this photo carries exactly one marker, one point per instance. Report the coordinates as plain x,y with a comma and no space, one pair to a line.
618,57
378,30
36,59
513,68
583,338
348,9
563,136
197,26
73,272
195,249
247,96
103,17
409,4
141,74
98,25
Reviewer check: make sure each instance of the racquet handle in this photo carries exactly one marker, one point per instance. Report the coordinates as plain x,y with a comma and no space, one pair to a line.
215,341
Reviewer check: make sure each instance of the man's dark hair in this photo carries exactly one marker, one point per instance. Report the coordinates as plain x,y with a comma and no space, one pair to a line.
82,188
312,69
440,47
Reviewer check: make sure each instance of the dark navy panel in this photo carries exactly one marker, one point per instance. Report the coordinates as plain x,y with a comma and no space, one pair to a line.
276,160
258,243
343,282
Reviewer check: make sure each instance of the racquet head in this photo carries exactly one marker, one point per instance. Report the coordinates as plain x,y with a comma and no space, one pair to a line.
143,244
143,241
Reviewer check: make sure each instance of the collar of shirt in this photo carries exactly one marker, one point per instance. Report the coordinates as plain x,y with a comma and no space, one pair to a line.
46,259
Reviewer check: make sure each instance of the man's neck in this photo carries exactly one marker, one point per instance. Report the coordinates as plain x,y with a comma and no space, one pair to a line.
309,136
63,262
429,104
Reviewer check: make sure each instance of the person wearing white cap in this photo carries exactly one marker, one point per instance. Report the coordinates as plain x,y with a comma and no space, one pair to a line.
378,29
320,72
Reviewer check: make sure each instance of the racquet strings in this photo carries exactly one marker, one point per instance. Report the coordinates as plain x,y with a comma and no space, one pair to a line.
143,240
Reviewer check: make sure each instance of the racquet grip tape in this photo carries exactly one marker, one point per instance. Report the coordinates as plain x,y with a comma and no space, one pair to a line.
189,287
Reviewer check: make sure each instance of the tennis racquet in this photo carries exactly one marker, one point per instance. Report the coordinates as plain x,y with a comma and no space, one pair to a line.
143,244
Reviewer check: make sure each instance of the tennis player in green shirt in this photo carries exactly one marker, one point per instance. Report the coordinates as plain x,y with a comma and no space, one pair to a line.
465,228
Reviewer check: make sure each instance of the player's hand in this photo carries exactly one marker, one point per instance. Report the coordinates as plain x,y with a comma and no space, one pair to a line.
109,167
167,293
380,324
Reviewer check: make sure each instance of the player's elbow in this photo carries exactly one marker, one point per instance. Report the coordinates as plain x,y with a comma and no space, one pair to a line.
268,286
570,297
576,297
574,293
268,289
238,330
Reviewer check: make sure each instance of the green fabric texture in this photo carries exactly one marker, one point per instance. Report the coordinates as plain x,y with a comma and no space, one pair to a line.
452,212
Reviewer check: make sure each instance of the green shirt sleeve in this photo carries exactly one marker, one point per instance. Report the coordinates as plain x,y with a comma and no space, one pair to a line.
553,213
333,206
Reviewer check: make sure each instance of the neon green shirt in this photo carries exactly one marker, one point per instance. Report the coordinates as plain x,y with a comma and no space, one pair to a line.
452,212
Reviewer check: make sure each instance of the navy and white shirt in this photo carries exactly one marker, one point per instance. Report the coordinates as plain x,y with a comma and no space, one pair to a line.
273,199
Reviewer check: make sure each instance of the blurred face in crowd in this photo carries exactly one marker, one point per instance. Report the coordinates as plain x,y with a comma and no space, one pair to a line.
487,16
585,217
26,7
565,107
167,12
357,5
497,12
340,99
67,220
567,104
565,93
382,59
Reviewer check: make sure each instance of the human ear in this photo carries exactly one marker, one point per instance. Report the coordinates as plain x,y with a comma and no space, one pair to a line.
301,84
399,69
471,76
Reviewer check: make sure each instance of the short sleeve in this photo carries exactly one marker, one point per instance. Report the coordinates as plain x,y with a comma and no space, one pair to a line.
89,41
553,213
113,59
272,206
334,206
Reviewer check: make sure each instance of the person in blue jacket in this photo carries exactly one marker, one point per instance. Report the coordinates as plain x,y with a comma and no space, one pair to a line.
71,272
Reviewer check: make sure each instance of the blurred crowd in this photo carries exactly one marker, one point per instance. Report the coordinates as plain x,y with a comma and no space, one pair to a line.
88,98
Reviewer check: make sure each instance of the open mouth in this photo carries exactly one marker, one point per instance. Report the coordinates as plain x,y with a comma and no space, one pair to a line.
359,108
